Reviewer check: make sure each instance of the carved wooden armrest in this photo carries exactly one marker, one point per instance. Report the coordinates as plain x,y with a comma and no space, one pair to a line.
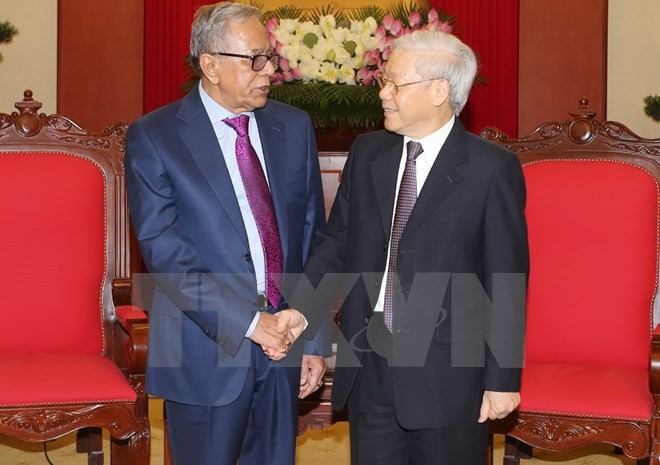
654,378
134,323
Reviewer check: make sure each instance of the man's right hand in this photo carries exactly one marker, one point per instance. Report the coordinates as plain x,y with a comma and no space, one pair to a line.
273,339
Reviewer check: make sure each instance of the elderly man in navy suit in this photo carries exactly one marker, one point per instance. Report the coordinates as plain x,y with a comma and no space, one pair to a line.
225,196
428,226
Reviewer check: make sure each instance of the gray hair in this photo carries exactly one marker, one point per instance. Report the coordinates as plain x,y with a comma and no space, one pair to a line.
209,28
454,61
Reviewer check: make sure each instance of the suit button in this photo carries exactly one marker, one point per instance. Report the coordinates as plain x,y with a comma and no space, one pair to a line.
248,257
376,283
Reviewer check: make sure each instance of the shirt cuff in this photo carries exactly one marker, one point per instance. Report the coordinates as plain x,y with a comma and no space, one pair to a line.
253,325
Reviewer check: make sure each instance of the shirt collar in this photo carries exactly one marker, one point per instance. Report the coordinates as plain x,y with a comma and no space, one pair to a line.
434,141
216,111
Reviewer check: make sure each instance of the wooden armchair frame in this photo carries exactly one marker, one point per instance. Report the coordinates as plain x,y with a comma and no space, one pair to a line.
585,138
124,328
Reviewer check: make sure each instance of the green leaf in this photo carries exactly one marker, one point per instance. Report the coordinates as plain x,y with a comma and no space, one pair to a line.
652,107
333,104
7,32
362,13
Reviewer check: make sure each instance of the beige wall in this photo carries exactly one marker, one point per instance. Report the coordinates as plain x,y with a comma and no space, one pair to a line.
30,59
633,63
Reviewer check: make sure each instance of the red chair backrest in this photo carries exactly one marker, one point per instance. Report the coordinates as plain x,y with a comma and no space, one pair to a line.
593,235
52,243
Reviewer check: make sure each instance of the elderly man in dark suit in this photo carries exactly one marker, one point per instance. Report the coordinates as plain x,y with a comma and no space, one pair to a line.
225,195
429,226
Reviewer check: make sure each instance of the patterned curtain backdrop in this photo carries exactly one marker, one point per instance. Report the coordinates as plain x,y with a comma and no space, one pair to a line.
491,30
166,44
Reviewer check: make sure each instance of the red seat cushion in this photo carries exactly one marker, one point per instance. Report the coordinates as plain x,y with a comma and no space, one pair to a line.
52,379
586,391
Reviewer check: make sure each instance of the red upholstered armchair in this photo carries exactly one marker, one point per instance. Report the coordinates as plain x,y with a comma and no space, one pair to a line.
72,349
593,213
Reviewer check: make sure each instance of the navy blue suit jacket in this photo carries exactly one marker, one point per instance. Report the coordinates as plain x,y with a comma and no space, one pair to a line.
193,241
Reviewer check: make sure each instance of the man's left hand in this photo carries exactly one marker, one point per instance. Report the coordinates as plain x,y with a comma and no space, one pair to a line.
497,405
311,374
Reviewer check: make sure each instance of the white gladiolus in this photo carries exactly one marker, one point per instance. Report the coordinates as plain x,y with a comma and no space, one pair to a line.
292,53
346,75
371,23
282,35
327,23
309,70
339,34
341,55
289,25
327,73
321,50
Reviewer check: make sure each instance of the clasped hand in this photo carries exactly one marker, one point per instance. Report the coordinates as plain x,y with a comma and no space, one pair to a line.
276,333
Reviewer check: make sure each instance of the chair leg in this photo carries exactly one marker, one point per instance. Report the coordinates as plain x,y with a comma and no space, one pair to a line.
90,441
136,450
525,451
619,451
515,450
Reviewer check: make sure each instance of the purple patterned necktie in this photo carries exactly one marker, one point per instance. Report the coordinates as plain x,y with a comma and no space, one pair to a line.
261,204
404,205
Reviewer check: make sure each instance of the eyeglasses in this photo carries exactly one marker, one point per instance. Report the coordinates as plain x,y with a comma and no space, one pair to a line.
393,88
259,62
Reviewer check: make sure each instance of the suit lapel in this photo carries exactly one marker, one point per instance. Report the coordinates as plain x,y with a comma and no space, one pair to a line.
442,179
199,137
271,133
384,171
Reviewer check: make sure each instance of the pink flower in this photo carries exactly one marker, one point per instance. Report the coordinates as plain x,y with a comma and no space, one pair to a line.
446,27
386,53
381,33
396,28
365,76
276,79
296,74
388,21
284,64
271,24
287,76
415,18
372,57
392,25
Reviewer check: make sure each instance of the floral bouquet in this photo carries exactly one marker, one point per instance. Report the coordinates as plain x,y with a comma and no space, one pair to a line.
329,46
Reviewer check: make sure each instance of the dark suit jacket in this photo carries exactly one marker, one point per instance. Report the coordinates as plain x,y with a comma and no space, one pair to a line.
191,234
468,223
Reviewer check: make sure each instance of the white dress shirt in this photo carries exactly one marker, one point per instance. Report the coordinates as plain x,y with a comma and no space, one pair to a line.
431,145
227,140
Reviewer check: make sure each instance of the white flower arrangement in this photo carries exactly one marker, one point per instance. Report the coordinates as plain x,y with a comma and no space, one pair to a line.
344,50
328,57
